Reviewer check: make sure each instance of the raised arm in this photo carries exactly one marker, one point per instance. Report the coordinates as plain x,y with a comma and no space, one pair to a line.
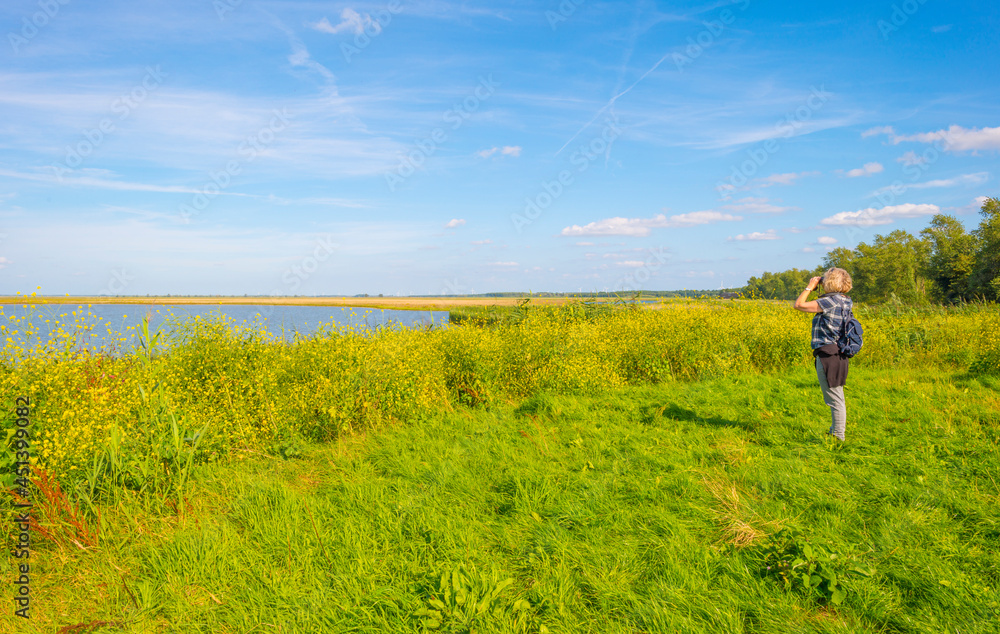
802,304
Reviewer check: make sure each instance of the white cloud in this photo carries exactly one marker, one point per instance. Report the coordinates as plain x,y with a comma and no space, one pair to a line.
782,179
194,131
481,242
455,222
87,181
300,57
504,264
779,179
584,244
764,133
756,206
617,226
770,234
350,22
4,262
826,240
726,189
808,250
955,138
507,150
639,227
973,207
886,215
867,170
885,129
911,158
632,264
941,28
117,185
965,179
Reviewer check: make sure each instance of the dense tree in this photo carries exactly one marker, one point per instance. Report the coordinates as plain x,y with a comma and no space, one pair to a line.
784,285
893,265
945,264
841,258
952,258
984,281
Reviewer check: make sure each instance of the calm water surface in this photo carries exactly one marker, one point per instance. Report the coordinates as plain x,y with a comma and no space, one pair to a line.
126,319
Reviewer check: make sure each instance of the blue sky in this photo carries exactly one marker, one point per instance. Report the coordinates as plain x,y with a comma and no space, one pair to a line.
429,146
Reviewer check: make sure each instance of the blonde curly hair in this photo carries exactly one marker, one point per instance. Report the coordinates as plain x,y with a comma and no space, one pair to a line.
837,281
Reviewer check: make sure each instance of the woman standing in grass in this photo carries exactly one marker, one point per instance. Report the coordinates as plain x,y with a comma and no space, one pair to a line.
831,308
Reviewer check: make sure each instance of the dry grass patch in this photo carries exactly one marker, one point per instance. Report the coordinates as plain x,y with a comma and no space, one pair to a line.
734,450
741,525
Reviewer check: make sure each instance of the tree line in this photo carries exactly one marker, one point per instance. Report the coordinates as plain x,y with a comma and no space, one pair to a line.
943,264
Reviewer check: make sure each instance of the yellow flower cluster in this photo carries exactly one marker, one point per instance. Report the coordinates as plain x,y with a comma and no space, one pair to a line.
247,389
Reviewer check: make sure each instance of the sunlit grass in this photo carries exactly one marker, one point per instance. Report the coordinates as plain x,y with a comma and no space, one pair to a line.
644,509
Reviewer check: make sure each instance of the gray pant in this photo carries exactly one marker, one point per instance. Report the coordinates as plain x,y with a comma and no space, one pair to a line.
834,397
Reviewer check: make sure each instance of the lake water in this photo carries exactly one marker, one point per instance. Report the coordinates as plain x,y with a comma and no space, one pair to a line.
281,321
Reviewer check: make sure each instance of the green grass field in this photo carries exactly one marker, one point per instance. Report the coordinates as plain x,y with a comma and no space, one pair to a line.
647,509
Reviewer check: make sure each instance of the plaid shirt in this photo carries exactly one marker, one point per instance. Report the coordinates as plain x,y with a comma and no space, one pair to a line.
826,325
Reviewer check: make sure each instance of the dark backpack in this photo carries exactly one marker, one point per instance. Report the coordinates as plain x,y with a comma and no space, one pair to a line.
851,335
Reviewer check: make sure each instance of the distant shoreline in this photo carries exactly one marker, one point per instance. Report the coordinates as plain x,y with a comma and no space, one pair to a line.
388,303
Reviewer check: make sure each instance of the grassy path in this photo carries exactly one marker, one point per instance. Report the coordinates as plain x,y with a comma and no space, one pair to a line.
645,510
